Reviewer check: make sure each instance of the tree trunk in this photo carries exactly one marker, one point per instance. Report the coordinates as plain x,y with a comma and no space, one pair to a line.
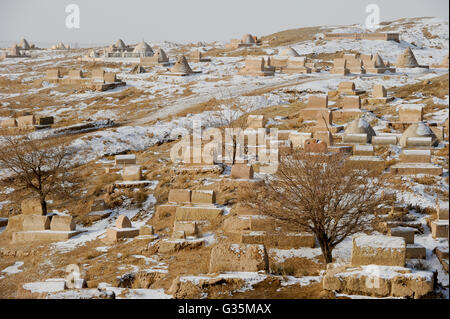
234,150
327,254
327,251
43,205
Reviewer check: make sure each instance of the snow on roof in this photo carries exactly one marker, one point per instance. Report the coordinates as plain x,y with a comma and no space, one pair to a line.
50,285
417,107
403,229
362,147
386,272
365,158
379,241
417,152
128,156
205,191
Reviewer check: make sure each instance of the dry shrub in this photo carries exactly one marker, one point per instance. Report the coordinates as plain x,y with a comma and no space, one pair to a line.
102,181
280,270
443,151
425,180
140,196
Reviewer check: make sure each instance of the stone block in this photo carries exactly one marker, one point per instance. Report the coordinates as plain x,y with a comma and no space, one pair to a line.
203,197
180,196
407,233
318,101
242,171
25,121
439,228
146,230
346,87
415,251
52,74
110,77
442,213
279,240
352,102
410,113
42,236
238,257
45,120
384,140
375,163
123,222
379,91
75,74
129,159
31,206
378,250
198,213
416,168
35,222
15,224
62,223
415,156
236,224
98,74
114,234
9,123
256,121
355,138
189,228
132,173
363,150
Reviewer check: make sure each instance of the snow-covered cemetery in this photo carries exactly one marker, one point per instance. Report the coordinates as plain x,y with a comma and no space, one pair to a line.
310,163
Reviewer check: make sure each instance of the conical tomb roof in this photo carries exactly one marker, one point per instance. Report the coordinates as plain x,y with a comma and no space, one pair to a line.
181,66
120,44
407,59
143,48
24,44
360,126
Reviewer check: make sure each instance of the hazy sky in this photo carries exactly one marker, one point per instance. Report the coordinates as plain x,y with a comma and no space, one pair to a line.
104,21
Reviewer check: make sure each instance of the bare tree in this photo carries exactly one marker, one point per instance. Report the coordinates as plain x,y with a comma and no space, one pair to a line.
41,166
230,116
319,194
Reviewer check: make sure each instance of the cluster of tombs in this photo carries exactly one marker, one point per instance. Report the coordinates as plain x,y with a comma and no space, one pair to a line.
290,62
27,122
261,66
35,226
141,53
99,79
16,50
373,64
247,40
60,46
358,140
360,64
